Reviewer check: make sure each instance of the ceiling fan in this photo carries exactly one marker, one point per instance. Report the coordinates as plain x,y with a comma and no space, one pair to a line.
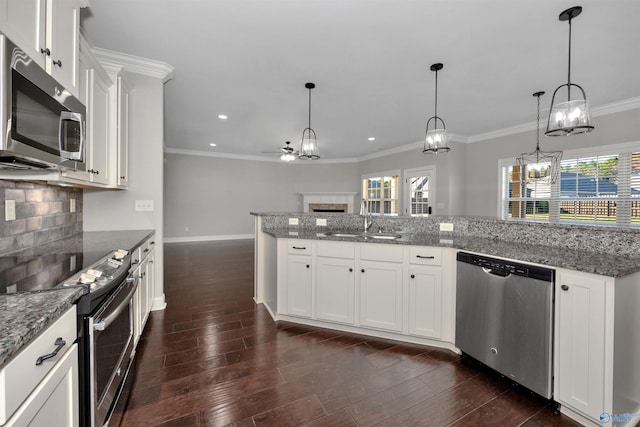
286,153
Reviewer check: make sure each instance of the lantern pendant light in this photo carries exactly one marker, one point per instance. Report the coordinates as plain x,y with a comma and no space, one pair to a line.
541,163
570,117
309,146
436,139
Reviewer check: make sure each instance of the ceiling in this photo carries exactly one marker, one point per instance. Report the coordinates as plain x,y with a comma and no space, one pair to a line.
370,60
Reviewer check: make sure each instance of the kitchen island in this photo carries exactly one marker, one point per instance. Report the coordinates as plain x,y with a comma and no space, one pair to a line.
404,287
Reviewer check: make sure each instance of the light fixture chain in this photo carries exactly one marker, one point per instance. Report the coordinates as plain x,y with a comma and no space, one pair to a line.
538,126
309,108
569,67
436,107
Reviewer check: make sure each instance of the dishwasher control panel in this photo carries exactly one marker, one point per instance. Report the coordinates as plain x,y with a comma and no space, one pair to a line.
505,267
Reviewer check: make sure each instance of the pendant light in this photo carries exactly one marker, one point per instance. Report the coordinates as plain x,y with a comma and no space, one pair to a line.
309,146
570,117
436,139
538,158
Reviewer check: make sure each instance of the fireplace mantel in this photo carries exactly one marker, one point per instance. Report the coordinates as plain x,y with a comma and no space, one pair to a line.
329,198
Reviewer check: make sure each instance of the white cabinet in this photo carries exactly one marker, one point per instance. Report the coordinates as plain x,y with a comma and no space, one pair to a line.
381,286
46,393
582,341
425,292
143,259
94,92
335,282
299,285
48,31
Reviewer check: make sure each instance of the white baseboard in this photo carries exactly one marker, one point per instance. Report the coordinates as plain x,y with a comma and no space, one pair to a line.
158,303
207,238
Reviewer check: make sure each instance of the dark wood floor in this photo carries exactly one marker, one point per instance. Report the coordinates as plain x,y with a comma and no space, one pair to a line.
214,358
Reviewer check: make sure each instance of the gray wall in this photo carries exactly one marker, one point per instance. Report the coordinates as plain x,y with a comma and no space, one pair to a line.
213,196
481,183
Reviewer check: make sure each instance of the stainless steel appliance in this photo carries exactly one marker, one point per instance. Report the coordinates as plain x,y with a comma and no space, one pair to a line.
105,335
42,125
504,318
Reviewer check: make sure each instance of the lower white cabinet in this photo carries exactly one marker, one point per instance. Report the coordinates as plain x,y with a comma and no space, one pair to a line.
335,290
45,393
143,297
299,285
425,301
381,295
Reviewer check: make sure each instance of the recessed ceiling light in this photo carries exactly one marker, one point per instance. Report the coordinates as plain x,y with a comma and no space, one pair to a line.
371,138
213,144
222,117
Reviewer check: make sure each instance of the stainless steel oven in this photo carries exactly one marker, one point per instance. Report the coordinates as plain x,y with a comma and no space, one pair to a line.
111,349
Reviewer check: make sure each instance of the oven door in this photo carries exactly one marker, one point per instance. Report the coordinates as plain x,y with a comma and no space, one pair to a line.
111,336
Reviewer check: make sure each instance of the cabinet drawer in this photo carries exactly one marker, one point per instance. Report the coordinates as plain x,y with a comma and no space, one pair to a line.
21,375
425,255
388,253
299,247
336,250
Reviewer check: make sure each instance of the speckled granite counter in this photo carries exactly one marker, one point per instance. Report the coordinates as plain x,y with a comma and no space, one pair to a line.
19,325
553,256
34,271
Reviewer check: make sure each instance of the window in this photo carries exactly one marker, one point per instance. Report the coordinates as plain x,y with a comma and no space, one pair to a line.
418,199
597,187
381,194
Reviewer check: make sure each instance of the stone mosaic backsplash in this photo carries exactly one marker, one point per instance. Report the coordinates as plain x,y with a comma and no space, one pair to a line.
596,239
43,214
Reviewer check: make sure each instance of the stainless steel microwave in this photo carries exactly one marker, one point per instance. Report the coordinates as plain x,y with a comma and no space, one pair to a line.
42,124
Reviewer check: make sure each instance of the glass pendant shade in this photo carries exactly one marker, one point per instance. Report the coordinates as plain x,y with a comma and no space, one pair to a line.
309,147
571,117
435,140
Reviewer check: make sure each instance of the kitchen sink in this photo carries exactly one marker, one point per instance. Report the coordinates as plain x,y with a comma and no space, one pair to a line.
352,235
363,235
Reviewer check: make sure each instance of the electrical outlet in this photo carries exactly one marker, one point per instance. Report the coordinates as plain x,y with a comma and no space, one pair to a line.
9,210
446,226
72,263
72,205
144,205
293,221
321,222
186,228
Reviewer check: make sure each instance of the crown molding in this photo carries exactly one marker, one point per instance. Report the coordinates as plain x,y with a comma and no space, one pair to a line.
274,159
136,64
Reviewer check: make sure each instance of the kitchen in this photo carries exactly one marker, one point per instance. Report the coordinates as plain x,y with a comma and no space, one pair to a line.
465,184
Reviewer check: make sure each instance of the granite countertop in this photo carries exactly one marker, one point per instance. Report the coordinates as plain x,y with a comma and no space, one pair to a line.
552,256
23,315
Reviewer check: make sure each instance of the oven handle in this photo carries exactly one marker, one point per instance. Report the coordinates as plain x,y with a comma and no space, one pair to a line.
108,320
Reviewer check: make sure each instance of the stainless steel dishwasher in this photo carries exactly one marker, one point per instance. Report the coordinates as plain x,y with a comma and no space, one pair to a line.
504,318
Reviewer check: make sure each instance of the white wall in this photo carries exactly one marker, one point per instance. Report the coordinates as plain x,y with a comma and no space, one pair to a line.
213,196
114,210
481,183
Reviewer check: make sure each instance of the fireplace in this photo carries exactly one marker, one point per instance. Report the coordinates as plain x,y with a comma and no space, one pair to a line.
328,202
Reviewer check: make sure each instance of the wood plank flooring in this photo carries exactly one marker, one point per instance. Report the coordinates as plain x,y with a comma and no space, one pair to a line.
214,358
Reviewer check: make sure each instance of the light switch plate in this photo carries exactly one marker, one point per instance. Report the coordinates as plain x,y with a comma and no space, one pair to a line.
72,205
144,205
9,210
446,226
321,222
293,221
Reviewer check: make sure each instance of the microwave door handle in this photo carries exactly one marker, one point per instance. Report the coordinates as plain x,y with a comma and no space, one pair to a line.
106,321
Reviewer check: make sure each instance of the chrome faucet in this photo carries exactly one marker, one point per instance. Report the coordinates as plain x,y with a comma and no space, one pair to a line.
368,218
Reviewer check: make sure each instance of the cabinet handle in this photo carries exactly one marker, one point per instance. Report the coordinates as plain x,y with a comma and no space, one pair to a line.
152,243
58,63
59,344
97,172
362,270
299,247
146,250
307,265
45,51
413,276
135,261
350,270
425,257
564,287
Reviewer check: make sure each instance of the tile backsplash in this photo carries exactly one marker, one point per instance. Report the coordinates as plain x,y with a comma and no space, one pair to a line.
42,214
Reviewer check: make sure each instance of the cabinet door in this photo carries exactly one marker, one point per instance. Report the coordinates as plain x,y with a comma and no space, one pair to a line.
99,113
55,401
123,133
299,285
581,342
25,24
335,290
63,29
381,295
425,301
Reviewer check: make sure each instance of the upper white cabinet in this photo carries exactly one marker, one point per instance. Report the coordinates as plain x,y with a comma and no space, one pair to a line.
48,31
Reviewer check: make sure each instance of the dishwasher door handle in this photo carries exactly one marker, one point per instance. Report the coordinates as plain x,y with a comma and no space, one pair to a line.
499,273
